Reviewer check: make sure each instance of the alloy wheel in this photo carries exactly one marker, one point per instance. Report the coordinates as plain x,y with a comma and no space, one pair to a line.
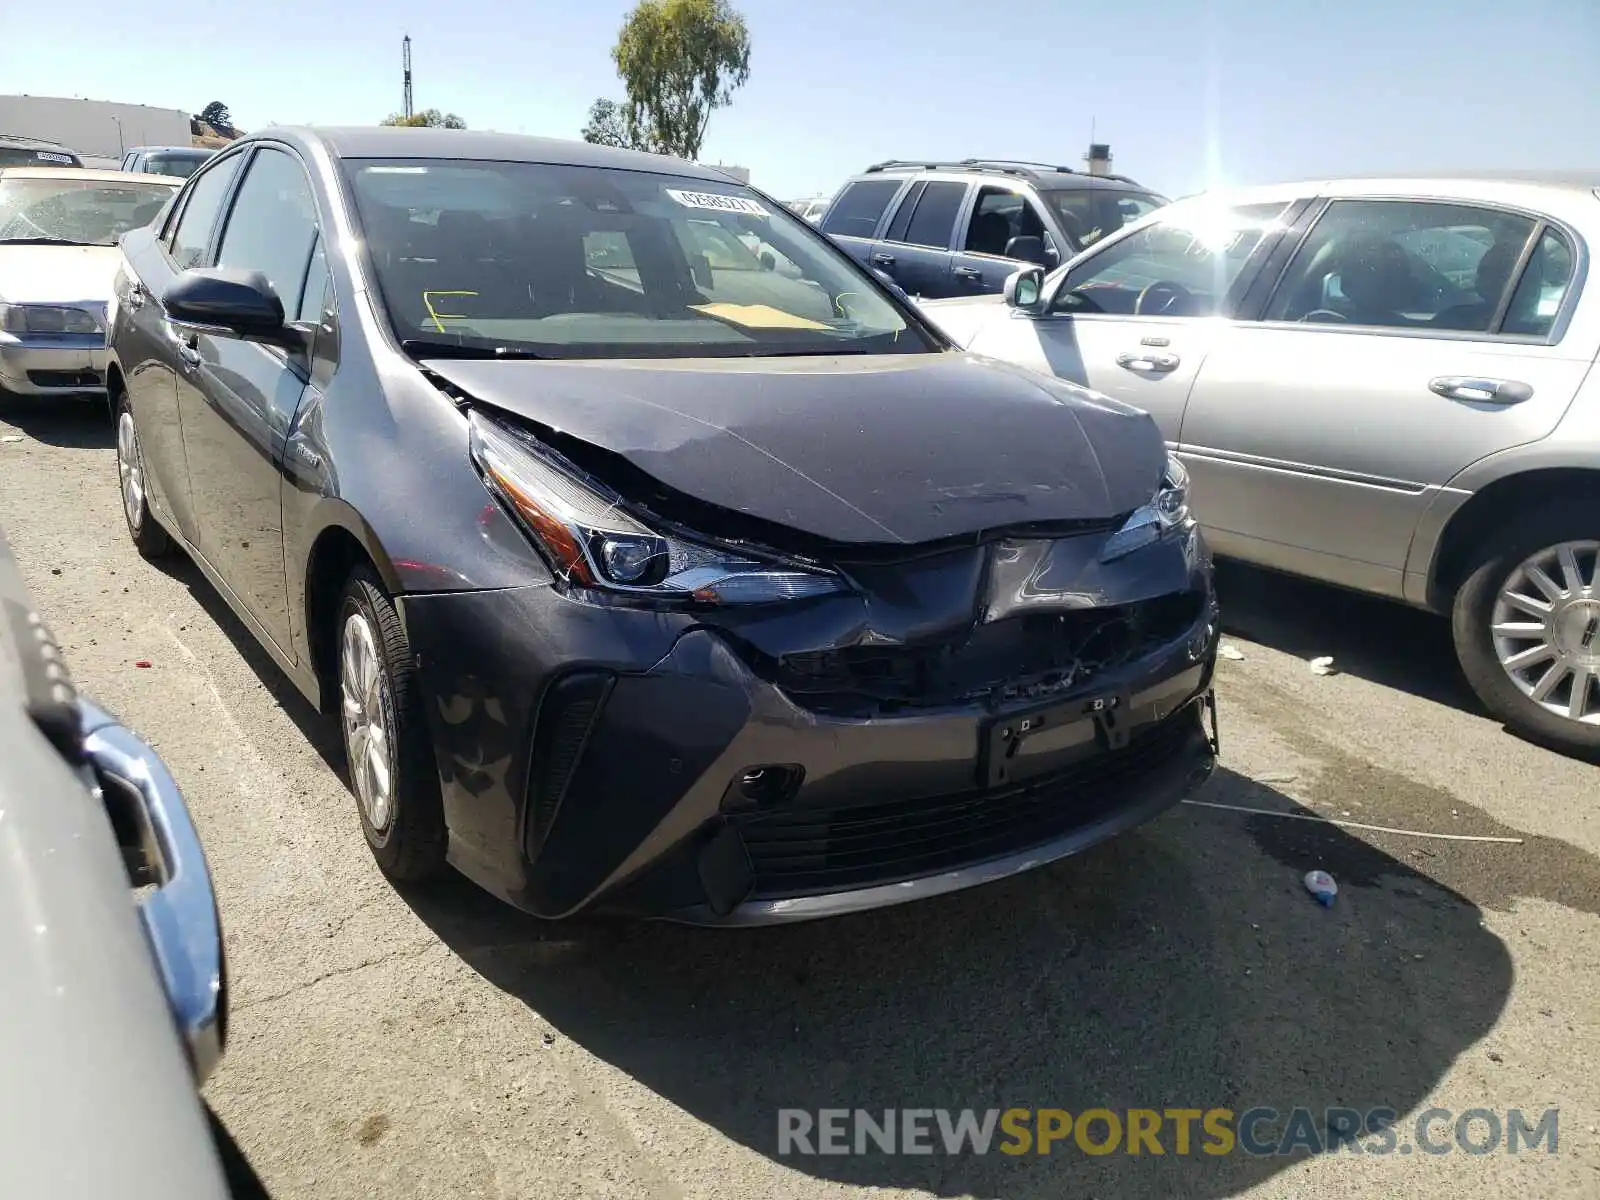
1546,629
368,716
130,470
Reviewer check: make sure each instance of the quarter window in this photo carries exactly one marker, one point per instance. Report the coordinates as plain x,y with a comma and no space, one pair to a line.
857,210
1543,287
1187,265
273,225
191,237
1400,264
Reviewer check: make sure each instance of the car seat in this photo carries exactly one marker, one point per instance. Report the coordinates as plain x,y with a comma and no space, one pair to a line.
1494,272
1375,277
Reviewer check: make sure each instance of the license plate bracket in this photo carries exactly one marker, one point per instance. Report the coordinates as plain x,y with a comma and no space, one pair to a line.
1032,742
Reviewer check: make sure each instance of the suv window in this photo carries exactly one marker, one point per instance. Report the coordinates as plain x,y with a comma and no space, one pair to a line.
1000,215
935,215
191,237
1403,264
1183,266
857,210
272,227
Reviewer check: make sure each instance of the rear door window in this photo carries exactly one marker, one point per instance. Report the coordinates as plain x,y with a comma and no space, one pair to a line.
859,207
935,217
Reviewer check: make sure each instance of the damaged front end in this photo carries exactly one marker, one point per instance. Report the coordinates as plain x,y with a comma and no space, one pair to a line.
727,721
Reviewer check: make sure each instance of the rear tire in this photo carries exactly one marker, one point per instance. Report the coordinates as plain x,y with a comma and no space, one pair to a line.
390,760
148,537
1526,696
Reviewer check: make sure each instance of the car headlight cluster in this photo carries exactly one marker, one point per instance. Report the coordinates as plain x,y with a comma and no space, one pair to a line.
592,543
49,318
1167,512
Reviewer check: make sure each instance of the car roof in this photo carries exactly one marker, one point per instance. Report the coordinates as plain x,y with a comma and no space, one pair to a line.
170,150
1042,176
388,141
80,173
1463,185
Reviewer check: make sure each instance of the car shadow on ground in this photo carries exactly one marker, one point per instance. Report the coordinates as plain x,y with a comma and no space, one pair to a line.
72,422
1378,640
1180,966
320,731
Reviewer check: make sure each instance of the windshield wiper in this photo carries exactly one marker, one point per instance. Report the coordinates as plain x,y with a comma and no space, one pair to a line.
422,348
47,241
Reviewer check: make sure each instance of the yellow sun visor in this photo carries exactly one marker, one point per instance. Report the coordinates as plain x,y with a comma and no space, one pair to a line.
757,316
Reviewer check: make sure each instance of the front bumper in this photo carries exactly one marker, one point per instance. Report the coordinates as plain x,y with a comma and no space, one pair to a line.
64,366
639,761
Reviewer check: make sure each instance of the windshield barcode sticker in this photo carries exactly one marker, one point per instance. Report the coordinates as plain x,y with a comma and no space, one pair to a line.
49,157
717,202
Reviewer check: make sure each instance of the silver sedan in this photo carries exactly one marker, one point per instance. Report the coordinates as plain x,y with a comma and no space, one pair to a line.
1385,384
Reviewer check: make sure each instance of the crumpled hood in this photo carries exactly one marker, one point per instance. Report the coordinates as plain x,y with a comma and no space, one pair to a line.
57,274
903,448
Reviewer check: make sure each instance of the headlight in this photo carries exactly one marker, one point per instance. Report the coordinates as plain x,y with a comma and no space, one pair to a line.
47,318
1149,523
591,543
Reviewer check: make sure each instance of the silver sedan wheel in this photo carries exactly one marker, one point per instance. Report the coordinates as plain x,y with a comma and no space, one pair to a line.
1546,628
130,470
368,716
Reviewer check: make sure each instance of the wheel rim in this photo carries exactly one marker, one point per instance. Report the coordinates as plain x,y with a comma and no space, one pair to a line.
130,470
1546,629
364,696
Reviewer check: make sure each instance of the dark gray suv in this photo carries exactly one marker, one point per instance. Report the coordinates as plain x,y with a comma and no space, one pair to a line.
959,229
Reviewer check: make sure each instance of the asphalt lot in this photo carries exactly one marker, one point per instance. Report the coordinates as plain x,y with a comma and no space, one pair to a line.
436,1044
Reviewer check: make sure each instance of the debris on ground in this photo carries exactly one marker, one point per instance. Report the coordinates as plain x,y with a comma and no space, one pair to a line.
1229,651
1321,885
1323,666
143,662
11,437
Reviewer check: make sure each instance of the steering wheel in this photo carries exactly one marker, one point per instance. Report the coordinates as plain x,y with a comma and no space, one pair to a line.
1325,314
1164,292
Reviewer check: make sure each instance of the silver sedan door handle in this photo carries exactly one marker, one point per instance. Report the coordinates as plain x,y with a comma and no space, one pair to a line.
1475,390
1144,360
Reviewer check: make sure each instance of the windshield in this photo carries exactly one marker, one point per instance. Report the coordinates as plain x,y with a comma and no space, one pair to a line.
569,262
85,212
179,165
1089,215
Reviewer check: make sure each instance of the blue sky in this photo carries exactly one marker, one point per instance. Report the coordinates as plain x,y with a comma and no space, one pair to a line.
1186,92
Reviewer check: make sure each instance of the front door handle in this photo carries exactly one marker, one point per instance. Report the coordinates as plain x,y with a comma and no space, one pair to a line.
1144,360
188,355
883,260
970,274
1476,390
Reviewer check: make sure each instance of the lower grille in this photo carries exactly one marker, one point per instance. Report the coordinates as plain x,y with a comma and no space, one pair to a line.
1015,659
65,379
807,851
566,716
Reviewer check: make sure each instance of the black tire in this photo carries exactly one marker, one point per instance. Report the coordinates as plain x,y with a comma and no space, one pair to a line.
410,844
1472,613
149,539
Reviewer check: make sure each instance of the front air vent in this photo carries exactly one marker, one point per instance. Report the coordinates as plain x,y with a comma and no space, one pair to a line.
567,714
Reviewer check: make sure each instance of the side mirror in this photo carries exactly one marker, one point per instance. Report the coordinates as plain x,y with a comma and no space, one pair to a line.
1024,288
1027,249
226,302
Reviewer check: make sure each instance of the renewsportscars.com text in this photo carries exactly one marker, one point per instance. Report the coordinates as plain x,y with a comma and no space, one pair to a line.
1162,1131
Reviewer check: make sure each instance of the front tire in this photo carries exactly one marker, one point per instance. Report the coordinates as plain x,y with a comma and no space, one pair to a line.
148,537
1527,628
385,735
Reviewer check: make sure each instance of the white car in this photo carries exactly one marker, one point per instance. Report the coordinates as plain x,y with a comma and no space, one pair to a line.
58,257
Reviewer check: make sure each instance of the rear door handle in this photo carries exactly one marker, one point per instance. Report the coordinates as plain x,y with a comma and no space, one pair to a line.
1476,390
970,273
1145,360
883,260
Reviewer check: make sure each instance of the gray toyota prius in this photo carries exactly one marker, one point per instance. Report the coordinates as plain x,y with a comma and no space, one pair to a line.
651,554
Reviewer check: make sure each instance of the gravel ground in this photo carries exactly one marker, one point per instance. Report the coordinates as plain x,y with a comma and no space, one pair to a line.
437,1044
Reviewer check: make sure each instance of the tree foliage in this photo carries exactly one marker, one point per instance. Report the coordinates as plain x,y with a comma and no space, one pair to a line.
428,118
216,115
608,126
680,61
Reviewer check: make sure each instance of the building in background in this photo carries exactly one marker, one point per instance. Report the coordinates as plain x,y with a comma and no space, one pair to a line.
100,130
1098,160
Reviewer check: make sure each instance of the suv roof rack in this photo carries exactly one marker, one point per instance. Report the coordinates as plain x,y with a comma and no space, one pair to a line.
38,141
1019,167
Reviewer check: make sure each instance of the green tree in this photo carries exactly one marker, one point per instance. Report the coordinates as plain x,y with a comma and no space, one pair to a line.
680,61
609,127
428,118
216,115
